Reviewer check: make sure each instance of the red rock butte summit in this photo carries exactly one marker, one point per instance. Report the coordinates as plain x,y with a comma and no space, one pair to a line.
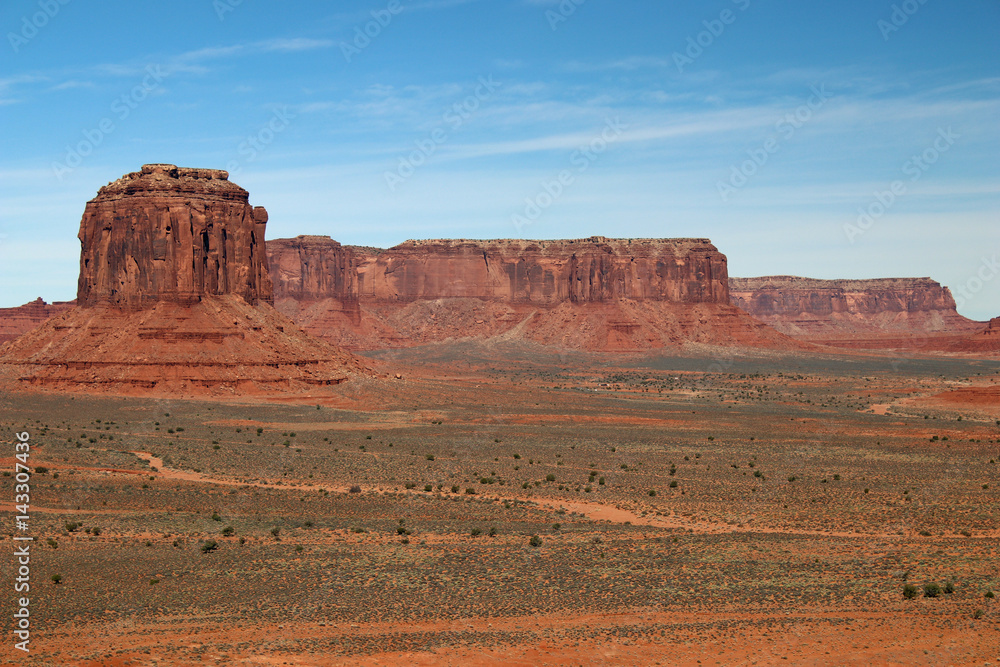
174,297
169,234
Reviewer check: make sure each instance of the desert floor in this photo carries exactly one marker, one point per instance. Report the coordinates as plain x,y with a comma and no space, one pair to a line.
701,510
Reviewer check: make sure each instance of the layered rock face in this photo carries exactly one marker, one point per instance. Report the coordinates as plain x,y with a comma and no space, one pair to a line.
174,297
595,293
831,309
15,322
548,273
173,235
308,269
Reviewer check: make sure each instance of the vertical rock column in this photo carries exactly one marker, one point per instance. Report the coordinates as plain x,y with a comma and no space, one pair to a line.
171,234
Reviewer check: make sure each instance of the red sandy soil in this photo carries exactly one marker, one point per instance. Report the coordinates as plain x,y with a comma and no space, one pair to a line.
833,638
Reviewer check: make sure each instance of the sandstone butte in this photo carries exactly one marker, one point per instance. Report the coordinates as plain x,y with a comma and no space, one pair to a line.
593,294
887,312
174,296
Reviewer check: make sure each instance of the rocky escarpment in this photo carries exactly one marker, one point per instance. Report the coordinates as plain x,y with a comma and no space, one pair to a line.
15,322
595,293
171,234
174,297
548,273
831,309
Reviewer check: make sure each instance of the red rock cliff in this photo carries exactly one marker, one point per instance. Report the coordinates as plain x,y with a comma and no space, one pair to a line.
17,321
596,293
312,268
513,271
810,307
174,235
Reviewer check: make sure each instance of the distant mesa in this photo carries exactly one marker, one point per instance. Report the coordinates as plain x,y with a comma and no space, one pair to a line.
597,293
15,322
884,312
174,296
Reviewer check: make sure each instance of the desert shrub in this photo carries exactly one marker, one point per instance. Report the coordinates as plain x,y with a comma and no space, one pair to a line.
52,543
228,531
429,457
492,532
931,590
211,545
977,614
989,595
95,531
428,488
550,478
475,532
535,541
275,531
909,591
216,517
600,481
355,489
925,533
949,588
836,478
41,470
792,478
56,578
410,485
652,493
71,526
470,491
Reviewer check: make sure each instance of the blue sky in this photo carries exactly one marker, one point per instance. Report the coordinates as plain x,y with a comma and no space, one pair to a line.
855,139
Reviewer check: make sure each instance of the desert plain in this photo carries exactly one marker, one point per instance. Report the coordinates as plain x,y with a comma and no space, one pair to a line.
504,503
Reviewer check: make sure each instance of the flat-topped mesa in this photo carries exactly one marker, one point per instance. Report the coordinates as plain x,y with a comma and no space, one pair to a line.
171,234
596,269
807,306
